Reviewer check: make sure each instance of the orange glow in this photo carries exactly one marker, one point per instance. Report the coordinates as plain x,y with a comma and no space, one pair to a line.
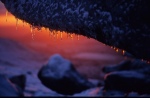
47,41
123,52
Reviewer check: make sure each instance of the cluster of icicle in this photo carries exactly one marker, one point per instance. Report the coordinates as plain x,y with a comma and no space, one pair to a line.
56,33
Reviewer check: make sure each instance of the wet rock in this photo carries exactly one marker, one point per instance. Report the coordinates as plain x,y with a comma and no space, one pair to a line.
7,88
60,75
128,81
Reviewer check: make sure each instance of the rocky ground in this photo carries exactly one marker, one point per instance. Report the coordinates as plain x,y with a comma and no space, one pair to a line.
20,76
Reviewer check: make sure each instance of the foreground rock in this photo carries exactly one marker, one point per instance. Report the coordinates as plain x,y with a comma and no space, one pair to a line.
60,76
19,81
7,88
128,81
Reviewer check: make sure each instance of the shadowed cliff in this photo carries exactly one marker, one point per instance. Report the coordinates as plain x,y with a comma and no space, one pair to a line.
123,24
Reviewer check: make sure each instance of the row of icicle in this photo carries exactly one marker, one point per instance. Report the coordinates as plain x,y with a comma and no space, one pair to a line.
54,33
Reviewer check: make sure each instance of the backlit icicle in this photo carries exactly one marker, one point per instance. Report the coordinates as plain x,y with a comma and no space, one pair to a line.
78,37
23,22
32,36
31,29
16,23
123,52
56,35
61,35
6,15
117,50
71,36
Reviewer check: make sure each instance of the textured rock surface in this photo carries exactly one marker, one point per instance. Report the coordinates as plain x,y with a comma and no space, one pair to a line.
129,65
123,24
60,76
128,81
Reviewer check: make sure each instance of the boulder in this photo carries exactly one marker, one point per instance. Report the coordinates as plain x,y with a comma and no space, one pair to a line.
134,65
19,81
7,88
127,81
123,24
60,75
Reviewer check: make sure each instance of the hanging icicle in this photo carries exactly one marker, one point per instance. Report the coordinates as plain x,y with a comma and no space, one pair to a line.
23,22
123,52
71,36
61,35
117,50
78,37
16,23
6,15
31,28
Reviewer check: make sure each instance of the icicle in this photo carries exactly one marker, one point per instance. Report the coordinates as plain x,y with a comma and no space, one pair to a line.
16,23
32,36
61,35
71,36
114,48
31,29
117,50
78,37
23,23
6,15
49,34
123,52
56,35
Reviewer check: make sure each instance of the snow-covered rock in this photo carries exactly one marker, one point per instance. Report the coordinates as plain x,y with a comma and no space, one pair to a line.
127,81
123,24
60,75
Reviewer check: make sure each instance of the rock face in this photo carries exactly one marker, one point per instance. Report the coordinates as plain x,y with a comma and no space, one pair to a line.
60,76
128,76
128,65
123,24
7,88
128,81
